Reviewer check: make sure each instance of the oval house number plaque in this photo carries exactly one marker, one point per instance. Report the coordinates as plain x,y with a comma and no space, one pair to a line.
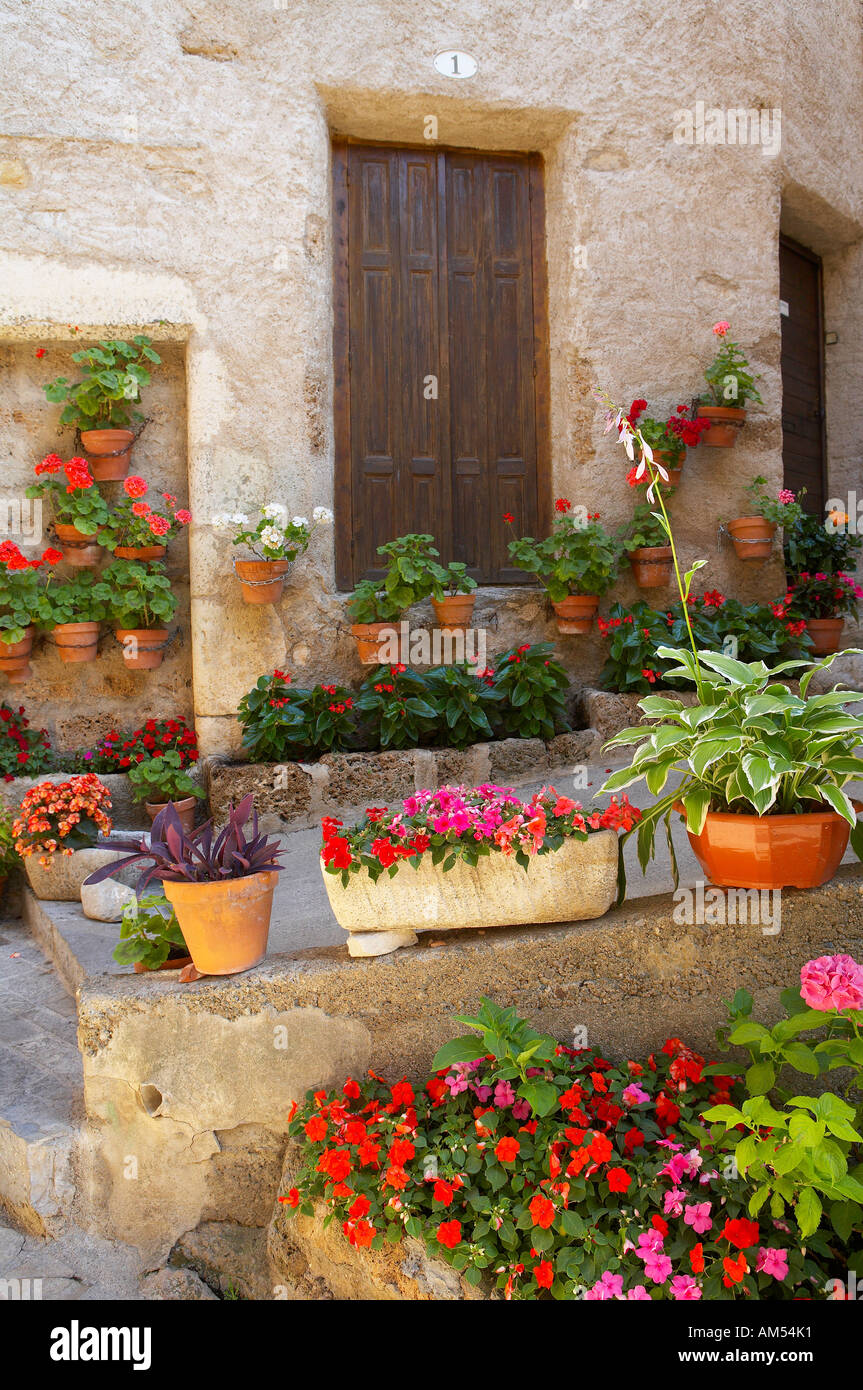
453,63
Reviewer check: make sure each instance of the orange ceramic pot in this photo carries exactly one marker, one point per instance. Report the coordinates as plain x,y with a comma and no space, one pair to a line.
225,925
370,637
576,613
143,647
453,613
185,810
826,634
728,420
172,963
77,641
752,537
771,851
651,566
109,453
263,580
79,551
15,659
139,552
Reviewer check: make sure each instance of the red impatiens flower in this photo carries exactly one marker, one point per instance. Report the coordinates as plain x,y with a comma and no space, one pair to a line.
734,1270
740,1232
541,1211
316,1129
292,1199
402,1093
506,1149
449,1234
543,1273
618,1179
696,1258
359,1208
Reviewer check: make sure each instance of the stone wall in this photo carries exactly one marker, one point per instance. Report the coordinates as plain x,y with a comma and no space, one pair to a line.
172,175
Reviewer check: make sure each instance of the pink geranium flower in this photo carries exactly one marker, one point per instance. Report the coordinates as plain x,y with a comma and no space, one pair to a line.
832,982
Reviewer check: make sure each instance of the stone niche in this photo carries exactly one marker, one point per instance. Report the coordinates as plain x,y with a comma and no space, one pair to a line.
78,704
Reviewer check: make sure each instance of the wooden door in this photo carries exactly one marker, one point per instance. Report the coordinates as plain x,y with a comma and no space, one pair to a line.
803,422
440,343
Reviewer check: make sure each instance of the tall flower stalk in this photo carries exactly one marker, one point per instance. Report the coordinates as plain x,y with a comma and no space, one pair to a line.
630,436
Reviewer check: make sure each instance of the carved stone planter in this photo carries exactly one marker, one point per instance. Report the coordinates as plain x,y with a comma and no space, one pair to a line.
573,883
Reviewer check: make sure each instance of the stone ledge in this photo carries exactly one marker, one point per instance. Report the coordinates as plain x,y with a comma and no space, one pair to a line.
297,795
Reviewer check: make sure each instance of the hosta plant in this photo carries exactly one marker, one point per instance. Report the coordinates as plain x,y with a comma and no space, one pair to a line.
743,748
540,1171
802,1155
579,557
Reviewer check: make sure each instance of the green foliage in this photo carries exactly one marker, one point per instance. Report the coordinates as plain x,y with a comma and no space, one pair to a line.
647,528
816,545
162,778
804,1152
24,752
466,704
371,603
516,1048
286,722
398,712
78,599
745,748
9,857
773,509
136,595
72,504
579,557
729,379
112,374
534,688
149,933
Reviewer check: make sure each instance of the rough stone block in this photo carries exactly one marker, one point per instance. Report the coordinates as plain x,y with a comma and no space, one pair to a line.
517,759
369,779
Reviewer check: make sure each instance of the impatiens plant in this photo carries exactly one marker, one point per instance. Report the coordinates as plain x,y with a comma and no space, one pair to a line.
534,688
113,373
24,752
579,557
75,497
538,1170
20,585
823,596
135,522
155,736
60,817
803,1154
467,704
729,379
275,536
464,823
396,707
284,721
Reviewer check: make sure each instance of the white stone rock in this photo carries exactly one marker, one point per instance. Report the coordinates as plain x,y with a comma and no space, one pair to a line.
379,943
104,902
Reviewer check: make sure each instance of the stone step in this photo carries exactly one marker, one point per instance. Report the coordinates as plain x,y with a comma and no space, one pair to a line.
41,1086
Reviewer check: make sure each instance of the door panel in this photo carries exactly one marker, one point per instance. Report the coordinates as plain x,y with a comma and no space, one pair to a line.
802,374
437,254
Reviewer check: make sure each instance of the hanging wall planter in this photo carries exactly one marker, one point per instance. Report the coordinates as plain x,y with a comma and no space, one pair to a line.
79,550
752,537
575,614
77,642
726,423
15,659
651,566
143,647
370,637
108,452
263,581
454,612
826,634
139,552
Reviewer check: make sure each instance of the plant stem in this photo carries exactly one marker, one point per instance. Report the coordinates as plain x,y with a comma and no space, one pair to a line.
680,588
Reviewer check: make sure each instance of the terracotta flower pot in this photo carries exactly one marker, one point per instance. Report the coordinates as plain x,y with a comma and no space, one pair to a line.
80,551
752,537
575,614
651,566
729,420
185,810
15,659
675,472
263,580
225,925
826,634
108,452
370,637
77,641
139,552
143,647
771,851
453,613
172,963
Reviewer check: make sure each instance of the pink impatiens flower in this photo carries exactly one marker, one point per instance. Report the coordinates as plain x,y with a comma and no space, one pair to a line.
772,1261
832,982
609,1286
503,1094
672,1204
657,1266
684,1287
698,1217
634,1094
638,1294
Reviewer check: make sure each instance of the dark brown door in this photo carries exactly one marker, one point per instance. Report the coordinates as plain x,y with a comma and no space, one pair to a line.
802,373
440,348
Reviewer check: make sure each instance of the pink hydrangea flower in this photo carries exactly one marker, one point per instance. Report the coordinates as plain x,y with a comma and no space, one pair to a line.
684,1288
698,1217
772,1261
832,982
